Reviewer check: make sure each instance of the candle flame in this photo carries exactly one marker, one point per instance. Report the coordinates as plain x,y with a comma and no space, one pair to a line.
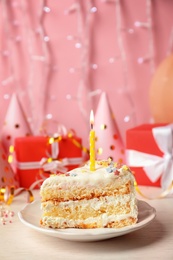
92,119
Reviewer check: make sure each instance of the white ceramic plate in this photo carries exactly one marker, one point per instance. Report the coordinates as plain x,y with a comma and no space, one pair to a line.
30,216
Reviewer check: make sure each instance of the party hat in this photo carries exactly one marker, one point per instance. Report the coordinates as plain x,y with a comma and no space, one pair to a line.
7,176
15,124
108,140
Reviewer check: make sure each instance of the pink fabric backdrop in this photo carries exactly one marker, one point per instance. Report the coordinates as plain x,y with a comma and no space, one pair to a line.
53,50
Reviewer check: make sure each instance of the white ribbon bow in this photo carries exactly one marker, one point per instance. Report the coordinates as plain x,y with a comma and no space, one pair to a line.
57,165
156,166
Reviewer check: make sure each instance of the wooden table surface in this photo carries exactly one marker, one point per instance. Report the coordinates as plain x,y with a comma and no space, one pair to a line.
154,241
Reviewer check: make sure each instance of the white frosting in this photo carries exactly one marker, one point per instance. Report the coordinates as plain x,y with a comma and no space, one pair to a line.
82,176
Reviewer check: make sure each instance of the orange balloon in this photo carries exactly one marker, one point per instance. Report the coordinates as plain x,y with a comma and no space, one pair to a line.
161,92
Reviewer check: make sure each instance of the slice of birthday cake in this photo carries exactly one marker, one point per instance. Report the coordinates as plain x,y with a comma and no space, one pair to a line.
104,198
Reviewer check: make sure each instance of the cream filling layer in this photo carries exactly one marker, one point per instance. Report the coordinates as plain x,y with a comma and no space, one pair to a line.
95,203
105,219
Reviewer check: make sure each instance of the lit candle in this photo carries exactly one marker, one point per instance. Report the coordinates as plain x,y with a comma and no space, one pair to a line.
92,142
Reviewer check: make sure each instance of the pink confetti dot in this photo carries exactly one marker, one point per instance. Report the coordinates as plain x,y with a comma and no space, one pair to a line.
11,214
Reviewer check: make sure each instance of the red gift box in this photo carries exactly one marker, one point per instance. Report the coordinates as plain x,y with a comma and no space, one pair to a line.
30,150
141,139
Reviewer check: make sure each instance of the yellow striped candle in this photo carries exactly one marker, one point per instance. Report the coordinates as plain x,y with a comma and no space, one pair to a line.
92,142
